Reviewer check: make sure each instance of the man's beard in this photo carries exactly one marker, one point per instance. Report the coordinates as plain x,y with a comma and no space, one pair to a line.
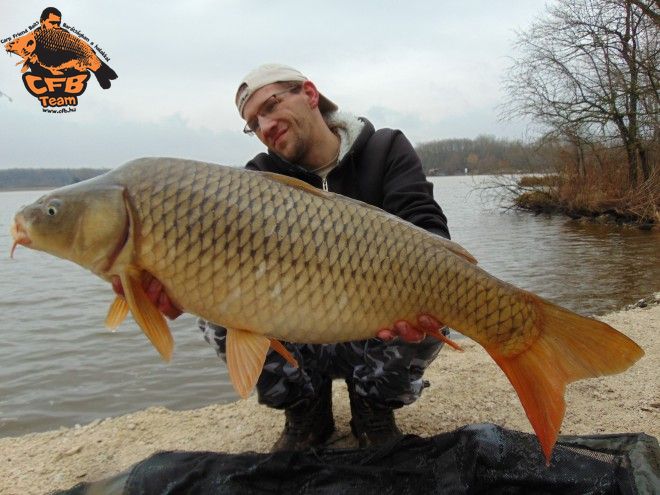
298,148
298,152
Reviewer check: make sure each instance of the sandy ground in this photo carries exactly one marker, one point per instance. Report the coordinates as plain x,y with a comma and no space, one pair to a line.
465,388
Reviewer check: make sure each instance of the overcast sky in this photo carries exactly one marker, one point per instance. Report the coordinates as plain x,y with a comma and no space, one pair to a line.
431,68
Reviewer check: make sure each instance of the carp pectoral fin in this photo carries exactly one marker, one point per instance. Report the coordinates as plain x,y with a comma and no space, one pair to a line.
570,347
246,355
284,352
443,338
116,314
147,316
433,327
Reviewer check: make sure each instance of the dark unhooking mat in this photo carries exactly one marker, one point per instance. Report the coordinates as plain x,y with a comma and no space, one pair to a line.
474,459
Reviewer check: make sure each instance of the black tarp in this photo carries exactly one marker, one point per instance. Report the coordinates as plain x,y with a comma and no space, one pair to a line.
474,459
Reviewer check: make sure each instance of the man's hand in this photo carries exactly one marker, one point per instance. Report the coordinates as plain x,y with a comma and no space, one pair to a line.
409,332
154,290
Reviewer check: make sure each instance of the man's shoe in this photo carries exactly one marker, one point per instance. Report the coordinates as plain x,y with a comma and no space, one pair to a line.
309,423
371,423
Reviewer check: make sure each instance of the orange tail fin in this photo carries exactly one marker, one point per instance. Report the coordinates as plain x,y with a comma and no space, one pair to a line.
570,347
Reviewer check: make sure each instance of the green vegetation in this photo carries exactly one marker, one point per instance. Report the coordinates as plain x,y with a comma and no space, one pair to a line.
38,178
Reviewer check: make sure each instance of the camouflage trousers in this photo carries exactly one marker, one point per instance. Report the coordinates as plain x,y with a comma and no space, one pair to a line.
387,373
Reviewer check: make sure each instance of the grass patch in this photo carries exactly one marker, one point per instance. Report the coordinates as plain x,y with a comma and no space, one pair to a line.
536,201
594,196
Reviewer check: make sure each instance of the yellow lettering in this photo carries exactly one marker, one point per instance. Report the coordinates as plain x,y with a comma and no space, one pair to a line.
54,82
75,84
56,91
60,101
31,81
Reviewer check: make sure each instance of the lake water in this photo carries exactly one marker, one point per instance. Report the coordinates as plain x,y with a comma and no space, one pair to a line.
61,367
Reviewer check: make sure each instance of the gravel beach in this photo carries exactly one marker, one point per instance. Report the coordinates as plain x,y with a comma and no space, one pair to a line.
465,388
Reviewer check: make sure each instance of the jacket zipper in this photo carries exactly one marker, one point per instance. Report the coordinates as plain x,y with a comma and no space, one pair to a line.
324,183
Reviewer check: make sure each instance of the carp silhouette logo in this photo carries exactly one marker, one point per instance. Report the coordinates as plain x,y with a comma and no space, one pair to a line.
56,64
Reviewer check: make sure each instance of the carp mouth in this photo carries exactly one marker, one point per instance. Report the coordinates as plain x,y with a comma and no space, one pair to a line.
19,234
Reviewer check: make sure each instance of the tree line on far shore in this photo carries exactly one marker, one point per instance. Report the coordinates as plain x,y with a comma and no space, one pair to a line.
482,155
27,178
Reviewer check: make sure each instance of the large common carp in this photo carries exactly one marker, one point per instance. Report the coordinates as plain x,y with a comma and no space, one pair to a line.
270,257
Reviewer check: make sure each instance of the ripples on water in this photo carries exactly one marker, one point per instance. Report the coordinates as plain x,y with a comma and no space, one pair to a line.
61,367
588,268
59,364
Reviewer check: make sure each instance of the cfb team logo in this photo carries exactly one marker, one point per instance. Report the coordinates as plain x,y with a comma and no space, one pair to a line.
56,64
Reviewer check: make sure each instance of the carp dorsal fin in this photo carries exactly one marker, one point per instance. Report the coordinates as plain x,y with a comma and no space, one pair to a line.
297,183
146,314
116,314
246,355
304,186
457,249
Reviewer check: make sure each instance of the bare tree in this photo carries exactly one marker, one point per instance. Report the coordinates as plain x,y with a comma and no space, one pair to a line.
588,72
650,10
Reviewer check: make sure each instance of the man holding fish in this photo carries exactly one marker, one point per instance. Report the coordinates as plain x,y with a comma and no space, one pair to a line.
309,139
274,259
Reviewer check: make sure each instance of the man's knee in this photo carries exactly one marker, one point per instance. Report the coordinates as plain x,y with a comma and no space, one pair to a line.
392,372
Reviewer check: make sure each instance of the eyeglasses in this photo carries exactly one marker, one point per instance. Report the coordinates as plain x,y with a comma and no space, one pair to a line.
267,108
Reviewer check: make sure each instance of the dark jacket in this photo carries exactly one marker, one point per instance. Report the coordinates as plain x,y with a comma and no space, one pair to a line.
381,168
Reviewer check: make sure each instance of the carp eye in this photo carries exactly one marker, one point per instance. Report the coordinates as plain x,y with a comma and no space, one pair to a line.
30,43
52,207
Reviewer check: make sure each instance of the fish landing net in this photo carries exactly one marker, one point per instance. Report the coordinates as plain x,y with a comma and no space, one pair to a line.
475,459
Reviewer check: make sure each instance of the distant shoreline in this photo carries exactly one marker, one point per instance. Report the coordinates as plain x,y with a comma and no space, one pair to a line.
36,188
40,179
55,186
